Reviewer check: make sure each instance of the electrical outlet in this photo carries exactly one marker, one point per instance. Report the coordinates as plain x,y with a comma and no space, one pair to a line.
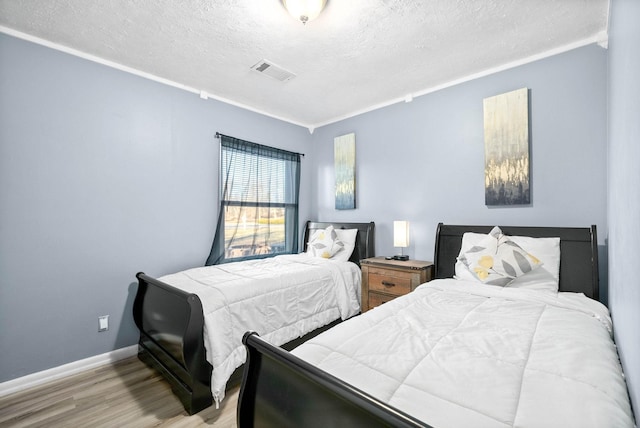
103,323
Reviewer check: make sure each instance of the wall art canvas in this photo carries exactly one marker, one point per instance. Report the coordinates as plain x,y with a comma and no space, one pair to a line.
506,149
344,153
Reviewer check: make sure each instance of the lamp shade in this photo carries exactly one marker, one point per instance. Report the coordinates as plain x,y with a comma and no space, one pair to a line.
304,10
400,233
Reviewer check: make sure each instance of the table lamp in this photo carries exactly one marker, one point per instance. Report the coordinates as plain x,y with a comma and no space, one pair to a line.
401,238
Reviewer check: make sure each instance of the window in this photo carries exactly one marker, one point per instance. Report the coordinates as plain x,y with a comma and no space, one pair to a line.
259,189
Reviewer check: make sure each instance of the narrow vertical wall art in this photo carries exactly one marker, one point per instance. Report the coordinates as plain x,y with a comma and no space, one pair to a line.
344,155
506,149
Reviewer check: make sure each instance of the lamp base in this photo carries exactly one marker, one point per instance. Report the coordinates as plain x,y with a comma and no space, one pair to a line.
401,257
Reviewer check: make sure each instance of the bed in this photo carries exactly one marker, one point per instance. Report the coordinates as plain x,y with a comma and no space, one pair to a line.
175,339
455,352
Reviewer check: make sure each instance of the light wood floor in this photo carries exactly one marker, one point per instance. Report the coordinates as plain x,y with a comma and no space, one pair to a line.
124,394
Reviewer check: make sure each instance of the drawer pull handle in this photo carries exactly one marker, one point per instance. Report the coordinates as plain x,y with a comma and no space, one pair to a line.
388,284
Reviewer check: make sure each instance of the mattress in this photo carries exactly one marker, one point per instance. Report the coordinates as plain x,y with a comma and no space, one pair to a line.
281,298
459,354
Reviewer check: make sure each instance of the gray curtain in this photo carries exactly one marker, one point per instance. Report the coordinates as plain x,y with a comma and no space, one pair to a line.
259,190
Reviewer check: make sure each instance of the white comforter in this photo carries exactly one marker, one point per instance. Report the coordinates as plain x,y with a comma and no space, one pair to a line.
281,298
456,354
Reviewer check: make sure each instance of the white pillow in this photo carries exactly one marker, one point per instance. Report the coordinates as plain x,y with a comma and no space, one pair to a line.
348,238
546,249
497,260
325,243
547,277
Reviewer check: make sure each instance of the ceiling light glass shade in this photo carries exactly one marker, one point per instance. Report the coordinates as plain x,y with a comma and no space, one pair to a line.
304,10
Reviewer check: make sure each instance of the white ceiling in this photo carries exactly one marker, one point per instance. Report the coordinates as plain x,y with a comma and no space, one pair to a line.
357,56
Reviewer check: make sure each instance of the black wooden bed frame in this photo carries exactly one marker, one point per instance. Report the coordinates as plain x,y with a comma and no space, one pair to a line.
171,326
281,390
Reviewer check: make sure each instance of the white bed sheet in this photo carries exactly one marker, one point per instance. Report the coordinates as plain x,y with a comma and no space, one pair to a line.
281,298
458,354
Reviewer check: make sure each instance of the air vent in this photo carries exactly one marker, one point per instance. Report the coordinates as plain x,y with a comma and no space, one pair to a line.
269,69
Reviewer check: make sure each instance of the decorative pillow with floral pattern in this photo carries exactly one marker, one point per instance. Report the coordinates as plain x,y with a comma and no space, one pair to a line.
497,260
325,243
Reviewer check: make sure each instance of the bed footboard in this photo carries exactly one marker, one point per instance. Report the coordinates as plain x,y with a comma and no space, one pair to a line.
281,390
170,323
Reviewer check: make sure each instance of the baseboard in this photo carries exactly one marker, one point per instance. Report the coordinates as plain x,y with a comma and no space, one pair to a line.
39,378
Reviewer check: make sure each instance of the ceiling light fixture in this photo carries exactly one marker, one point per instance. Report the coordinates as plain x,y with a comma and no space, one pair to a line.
304,10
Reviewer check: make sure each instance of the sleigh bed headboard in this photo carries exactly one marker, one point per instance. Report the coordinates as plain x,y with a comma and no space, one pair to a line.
365,239
578,252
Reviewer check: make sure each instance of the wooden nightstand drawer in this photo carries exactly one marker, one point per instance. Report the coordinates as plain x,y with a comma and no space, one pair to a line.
384,280
395,283
377,299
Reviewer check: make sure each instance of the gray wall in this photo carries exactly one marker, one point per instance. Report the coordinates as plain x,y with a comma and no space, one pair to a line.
424,161
102,174
624,187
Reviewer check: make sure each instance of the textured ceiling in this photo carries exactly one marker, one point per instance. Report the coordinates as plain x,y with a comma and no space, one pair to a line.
358,55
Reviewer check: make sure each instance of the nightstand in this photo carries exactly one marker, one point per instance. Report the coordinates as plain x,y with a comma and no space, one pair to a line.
384,280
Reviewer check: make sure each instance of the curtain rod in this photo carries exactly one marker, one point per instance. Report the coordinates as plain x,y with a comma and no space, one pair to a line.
218,135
